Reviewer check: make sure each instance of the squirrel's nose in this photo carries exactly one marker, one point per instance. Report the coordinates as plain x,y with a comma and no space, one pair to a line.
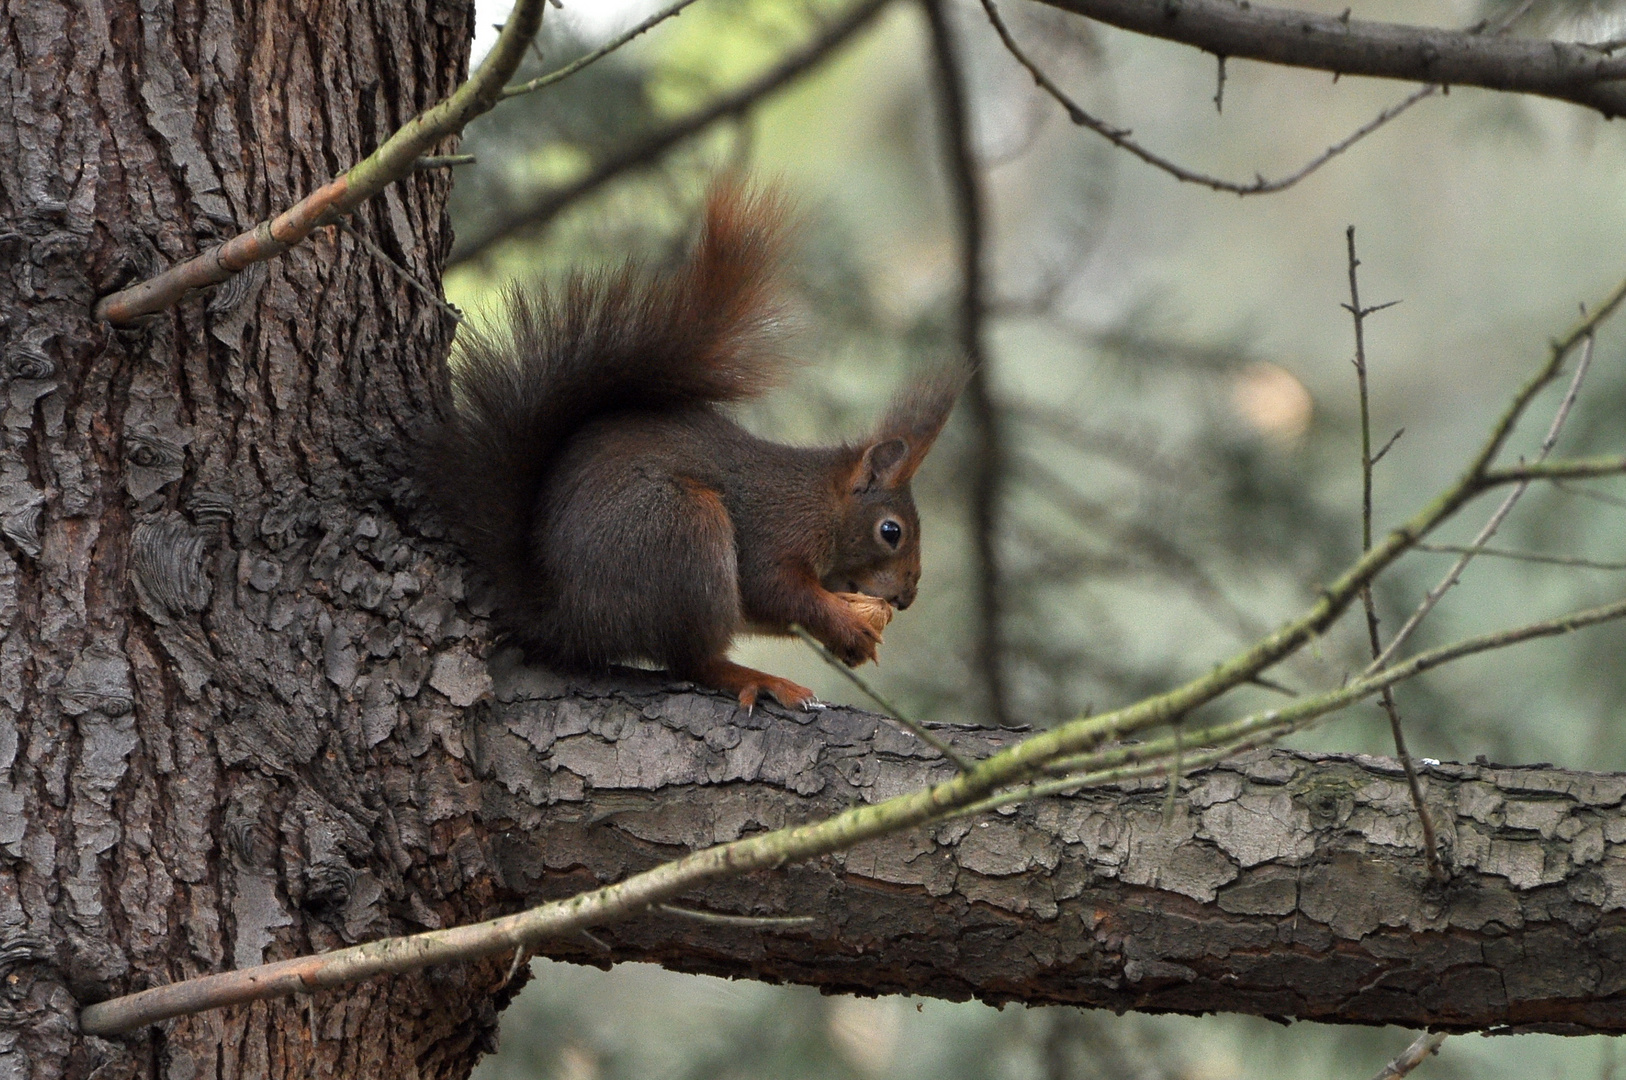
904,599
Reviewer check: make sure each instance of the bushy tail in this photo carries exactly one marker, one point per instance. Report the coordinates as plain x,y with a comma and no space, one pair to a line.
603,343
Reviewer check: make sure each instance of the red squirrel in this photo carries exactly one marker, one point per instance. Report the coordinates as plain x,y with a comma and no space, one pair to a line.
621,515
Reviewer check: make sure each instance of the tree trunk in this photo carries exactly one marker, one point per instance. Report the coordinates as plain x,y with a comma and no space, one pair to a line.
216,741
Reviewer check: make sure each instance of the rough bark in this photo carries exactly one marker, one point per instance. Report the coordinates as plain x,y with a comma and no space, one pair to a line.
1285,885
214,748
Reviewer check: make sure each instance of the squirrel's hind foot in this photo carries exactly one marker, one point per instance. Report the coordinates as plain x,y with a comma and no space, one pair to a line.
748,684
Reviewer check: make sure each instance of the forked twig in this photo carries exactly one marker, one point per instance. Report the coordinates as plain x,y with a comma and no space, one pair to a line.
1120,137
1431,850
543,207
597,54
1499,515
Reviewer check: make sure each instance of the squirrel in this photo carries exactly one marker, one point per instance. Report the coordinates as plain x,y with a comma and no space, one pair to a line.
588,469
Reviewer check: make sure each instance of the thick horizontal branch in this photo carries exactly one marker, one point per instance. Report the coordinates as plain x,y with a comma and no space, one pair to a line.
1565,70
1284,885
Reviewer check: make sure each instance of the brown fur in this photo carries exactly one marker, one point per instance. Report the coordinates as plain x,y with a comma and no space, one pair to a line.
621,516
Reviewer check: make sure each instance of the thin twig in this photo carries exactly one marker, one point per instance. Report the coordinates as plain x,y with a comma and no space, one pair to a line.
1495,522
987,464
748,922
1386,447
1130,761
597,54
397,158
919,730
1521,556
406,275
1120,137
1592,468
522,956
1421,1048
546,205
443,161
1587,493
1431,850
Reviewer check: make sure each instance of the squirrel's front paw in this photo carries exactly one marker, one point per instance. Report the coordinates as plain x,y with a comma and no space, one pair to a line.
855,640
872,609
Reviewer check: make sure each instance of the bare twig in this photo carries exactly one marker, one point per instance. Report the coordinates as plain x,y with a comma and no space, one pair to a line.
443,161
397,158
1414,1055
1500,514
545,206
1431,850
919,730
987,467
1522,556
406,275
597,54
1120,137
746,922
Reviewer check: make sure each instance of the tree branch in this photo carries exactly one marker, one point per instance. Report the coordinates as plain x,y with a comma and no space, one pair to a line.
541,81
397,158
1572,72
1120,137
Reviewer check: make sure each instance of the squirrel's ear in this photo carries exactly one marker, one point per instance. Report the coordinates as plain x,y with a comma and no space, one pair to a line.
880,465
911,426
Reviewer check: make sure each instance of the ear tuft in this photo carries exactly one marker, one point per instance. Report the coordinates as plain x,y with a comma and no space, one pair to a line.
917,416
880,464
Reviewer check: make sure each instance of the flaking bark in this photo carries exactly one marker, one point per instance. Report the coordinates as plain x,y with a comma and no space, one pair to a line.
1286,885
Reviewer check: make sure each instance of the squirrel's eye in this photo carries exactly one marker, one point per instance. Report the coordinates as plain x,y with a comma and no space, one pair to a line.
889,531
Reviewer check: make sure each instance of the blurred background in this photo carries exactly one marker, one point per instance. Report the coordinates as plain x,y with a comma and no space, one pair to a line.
1171,399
